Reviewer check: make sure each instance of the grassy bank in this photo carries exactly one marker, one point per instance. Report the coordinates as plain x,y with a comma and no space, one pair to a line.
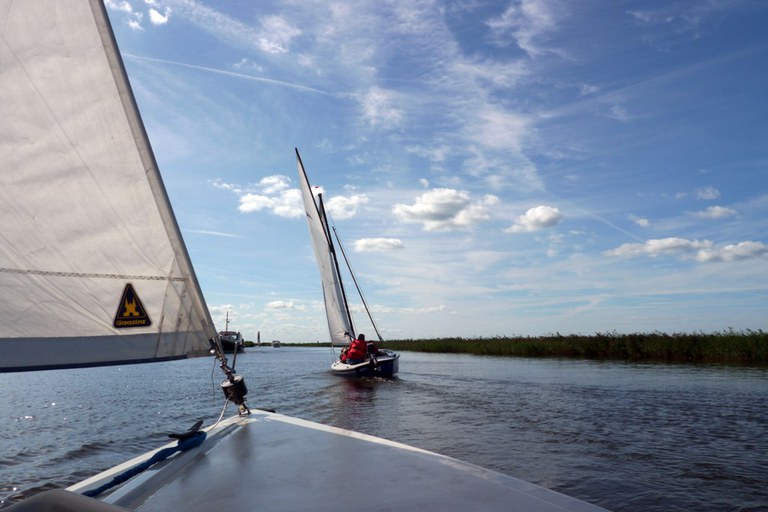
728,347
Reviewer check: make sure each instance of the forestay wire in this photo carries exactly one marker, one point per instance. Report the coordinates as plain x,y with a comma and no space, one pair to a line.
354,280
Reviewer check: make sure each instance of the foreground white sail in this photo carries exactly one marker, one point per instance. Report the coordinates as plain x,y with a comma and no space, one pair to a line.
93,271
83,211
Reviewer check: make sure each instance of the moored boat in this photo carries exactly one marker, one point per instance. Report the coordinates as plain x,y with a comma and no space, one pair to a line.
232,341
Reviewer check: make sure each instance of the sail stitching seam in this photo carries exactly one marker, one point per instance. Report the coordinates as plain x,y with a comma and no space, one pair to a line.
79,274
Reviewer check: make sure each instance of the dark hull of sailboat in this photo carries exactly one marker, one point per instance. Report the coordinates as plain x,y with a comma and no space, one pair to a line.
383,366
231,347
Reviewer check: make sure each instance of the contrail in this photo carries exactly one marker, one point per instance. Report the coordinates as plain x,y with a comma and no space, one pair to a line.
233,74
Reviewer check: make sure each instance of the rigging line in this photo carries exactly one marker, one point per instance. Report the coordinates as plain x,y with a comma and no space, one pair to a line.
354,280
223,410
86,274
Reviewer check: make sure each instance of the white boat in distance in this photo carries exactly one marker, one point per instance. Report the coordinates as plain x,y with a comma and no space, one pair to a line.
380,363
94,271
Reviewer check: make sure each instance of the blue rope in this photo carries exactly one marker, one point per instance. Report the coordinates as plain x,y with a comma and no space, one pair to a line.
192,442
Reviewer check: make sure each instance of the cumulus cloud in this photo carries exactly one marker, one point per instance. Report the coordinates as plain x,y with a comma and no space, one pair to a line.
378,244
733,252
119,5
345,207
445,209
698,250
272,193
535,219
274,184
716,212
275,195
159,19
134,17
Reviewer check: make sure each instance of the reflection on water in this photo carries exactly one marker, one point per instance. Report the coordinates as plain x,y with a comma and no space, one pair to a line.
623,436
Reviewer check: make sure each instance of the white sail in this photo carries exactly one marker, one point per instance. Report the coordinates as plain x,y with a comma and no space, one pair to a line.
93,269
336,311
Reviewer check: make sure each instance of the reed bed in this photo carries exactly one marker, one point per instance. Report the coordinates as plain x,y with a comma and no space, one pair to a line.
727,347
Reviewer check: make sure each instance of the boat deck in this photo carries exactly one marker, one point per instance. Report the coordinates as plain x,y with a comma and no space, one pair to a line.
268,461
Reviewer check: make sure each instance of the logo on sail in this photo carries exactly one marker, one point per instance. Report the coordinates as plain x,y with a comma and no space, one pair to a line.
130,311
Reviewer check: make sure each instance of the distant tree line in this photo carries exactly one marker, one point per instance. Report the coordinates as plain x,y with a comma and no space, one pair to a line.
728,347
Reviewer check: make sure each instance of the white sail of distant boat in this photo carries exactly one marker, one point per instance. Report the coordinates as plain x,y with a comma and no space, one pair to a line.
93,269
334,296
340,326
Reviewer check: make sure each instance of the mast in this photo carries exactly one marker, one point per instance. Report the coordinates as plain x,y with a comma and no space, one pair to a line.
332,251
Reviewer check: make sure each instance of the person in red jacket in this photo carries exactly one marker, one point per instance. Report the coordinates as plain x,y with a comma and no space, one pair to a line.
356,351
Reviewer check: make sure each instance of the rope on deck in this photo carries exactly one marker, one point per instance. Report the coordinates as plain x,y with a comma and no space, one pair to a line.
183,445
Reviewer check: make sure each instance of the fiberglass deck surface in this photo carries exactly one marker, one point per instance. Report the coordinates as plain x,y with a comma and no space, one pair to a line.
277,463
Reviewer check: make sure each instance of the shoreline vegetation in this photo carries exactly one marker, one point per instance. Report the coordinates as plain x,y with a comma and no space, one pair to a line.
741,348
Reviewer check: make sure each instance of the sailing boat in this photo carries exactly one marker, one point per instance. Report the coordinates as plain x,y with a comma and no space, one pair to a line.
231,341
377,362
94,271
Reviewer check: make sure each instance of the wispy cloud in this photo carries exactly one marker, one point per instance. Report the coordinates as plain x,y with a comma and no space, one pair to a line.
214,233
716,212
284,304
640,221
525,23
378,106
378,244
707,193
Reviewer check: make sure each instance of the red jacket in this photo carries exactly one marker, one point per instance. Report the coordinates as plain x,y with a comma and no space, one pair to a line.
357,350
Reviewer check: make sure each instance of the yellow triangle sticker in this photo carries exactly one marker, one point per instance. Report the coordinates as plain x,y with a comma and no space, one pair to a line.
130,311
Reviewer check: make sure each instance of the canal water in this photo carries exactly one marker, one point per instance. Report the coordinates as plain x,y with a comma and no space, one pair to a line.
625,436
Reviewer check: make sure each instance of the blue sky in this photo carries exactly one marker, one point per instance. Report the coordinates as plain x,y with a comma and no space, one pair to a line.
493,167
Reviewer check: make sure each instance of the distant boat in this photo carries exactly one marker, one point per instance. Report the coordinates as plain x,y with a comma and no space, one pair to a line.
275,343
231,341
383,363
94,271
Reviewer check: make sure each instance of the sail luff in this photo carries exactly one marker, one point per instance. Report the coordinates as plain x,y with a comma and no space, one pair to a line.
87,234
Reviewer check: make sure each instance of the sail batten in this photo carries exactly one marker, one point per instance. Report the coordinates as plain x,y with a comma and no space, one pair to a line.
84,213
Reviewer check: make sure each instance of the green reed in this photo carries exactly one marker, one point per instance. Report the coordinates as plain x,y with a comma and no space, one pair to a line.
727,347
